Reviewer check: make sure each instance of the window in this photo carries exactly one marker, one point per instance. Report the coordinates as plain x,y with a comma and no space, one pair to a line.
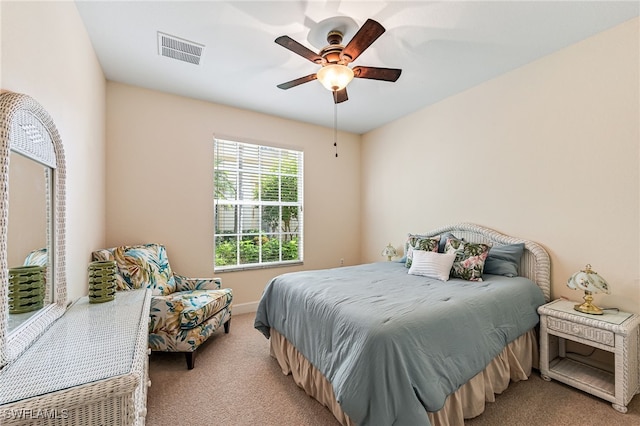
258,205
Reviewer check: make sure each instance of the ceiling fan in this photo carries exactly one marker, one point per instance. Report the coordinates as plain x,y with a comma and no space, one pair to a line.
335,58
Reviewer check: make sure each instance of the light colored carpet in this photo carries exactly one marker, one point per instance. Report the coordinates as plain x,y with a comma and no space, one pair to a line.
236,382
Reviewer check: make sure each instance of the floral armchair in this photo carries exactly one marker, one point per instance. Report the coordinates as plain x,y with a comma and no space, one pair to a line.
184,311
37,257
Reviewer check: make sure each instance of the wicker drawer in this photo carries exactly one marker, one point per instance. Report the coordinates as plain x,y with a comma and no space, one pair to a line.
594,334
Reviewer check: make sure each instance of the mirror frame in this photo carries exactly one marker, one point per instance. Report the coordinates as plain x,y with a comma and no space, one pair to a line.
27,128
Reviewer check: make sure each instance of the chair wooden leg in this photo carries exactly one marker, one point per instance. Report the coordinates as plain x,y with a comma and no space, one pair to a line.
191,357
227,325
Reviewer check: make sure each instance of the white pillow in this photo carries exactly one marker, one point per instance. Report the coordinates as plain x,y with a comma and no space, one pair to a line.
432,264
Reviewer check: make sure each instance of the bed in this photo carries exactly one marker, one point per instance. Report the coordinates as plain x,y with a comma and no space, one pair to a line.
380,346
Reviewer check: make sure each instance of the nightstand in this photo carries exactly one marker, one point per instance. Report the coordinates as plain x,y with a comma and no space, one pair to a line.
616,332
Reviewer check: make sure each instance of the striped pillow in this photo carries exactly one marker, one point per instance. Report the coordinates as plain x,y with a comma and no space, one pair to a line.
432,264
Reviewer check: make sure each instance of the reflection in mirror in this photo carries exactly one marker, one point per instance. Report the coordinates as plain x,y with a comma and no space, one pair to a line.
27,236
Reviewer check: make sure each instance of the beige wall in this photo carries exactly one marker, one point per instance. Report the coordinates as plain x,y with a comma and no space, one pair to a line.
548,152
46,54
160,182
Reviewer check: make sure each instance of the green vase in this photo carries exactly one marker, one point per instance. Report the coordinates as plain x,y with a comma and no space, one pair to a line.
26,288
102,281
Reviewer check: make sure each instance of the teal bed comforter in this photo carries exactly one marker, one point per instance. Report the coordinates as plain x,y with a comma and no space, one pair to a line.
392,344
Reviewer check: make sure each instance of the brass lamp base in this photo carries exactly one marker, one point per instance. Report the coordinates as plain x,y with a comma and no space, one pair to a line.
587,307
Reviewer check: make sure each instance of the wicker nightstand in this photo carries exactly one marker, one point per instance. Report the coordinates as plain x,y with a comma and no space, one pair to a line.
613,332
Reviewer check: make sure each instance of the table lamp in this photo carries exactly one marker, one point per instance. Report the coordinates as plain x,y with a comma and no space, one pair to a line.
389,251
589,281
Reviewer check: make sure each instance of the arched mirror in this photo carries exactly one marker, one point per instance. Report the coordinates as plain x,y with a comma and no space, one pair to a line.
32,224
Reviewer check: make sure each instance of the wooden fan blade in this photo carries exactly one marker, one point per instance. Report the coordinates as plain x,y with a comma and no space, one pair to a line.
366,35
297,81
340,96
385,74
289,43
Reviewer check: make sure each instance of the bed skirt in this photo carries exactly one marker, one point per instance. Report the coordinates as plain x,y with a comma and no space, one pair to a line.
514,363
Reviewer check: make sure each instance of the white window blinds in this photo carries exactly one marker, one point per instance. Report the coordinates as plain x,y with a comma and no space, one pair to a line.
258,200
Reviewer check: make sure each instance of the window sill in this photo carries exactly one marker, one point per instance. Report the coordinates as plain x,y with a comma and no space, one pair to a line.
238,268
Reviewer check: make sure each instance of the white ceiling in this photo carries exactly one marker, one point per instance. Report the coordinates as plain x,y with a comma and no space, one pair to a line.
443,48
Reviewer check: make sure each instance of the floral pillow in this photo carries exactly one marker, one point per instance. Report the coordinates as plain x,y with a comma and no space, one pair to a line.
470,259
419,242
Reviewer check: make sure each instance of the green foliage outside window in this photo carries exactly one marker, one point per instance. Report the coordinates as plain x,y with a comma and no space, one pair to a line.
287,185
249,250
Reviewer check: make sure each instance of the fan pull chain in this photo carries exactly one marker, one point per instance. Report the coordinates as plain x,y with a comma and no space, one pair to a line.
335,121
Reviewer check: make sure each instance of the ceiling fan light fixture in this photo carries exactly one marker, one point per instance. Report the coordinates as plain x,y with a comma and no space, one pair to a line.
335,77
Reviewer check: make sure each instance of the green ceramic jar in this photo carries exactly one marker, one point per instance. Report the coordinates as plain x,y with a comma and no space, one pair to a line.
26,288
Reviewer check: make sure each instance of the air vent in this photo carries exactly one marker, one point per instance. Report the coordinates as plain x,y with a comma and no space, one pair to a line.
180,49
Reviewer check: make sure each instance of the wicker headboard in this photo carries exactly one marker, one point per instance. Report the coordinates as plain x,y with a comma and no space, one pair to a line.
534,264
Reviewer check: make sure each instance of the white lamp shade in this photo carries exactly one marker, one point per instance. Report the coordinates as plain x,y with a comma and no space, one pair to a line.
588,280
389,251
335,77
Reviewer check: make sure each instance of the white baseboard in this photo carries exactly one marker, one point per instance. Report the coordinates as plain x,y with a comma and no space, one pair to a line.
244,308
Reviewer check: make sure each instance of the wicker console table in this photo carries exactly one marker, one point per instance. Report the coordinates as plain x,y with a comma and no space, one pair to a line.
616,332
89,368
